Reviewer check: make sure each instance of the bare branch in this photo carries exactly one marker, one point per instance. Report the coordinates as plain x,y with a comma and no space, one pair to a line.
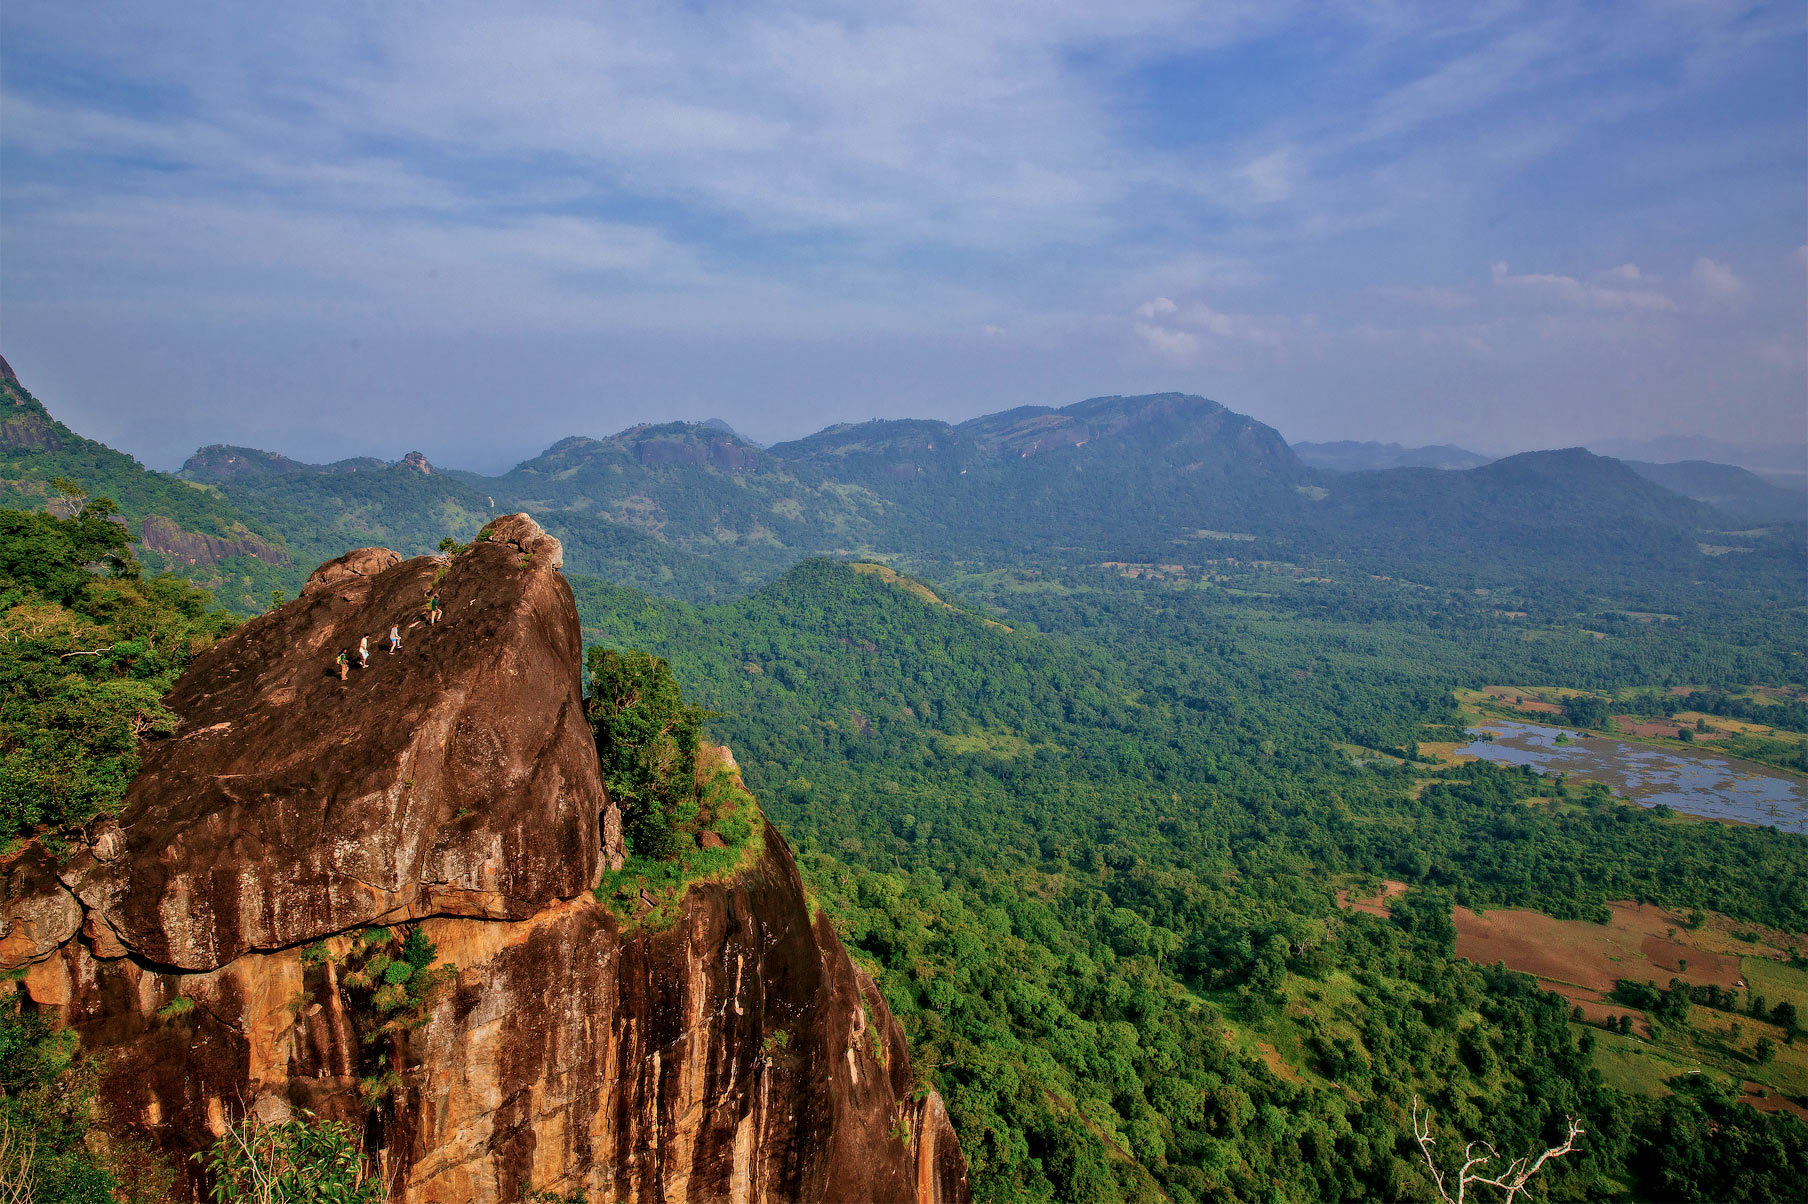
1511,1180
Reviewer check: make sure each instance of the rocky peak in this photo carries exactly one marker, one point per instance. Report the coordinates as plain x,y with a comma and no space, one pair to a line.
451,788
418,462
455,775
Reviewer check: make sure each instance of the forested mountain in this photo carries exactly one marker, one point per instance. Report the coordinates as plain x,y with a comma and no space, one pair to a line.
185,528
1347,455
695,511
1737,493
327,508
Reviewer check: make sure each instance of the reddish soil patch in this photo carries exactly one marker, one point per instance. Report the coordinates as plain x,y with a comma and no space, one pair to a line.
1635,943
1663,729
1595,1007
1704,967
1771,1101
1557,950
1376,906
1633,725
1271,1057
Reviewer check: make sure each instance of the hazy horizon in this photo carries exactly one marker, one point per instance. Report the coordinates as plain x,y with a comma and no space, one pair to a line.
338,231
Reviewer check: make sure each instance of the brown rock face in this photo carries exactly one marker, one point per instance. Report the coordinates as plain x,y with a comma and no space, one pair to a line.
456,775
735,1055
162,535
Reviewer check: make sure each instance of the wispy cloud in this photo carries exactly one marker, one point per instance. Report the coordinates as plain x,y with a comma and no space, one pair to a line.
1625,293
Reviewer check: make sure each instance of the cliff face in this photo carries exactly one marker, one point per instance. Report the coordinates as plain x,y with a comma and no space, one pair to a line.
452,787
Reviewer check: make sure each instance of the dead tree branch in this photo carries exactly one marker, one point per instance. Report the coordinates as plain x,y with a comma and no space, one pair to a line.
1477,1154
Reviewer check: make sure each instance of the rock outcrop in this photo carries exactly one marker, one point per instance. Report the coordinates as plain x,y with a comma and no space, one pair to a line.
163,535
452,789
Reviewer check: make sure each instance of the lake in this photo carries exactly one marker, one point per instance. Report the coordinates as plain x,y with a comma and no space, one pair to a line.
1696,782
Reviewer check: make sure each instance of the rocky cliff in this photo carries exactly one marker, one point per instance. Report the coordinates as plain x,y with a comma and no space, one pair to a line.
218,942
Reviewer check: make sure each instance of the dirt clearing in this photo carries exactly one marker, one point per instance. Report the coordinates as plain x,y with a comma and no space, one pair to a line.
1636,943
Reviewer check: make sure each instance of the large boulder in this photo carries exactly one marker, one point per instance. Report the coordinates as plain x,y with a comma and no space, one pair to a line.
525,534
357,563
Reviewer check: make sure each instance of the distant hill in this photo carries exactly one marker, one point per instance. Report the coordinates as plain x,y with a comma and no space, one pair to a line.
1785,454
693,510
220,462
1117,475
1347,456
1736,492
696,489
1572,520
325,509
181,527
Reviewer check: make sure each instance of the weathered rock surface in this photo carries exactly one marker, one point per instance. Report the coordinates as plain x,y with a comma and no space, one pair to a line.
735,1055
160,534
454,776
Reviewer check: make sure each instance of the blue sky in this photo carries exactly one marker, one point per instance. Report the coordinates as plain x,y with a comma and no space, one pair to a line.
337,229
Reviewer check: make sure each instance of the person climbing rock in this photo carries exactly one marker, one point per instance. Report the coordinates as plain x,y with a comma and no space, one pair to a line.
433,611
395,638
363,652
343,663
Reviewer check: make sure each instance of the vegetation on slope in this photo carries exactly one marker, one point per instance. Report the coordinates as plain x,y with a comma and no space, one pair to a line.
241,558
1089,858
85,658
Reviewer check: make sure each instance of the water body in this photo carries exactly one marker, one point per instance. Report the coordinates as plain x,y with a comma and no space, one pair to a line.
1698,783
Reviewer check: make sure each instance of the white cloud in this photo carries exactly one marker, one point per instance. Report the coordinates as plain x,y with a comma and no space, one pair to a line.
1170,342
794,171
1575,292
1717,281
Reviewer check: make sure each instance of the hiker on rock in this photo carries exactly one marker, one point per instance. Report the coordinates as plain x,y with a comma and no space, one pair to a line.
433,610
343,663
363,652
395,638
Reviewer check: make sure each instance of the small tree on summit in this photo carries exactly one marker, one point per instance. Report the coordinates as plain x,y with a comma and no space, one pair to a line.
646,739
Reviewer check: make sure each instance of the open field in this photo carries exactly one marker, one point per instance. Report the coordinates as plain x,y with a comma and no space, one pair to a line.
1528,702
1637,942
1444,752
1778,981
1581,961
1661,729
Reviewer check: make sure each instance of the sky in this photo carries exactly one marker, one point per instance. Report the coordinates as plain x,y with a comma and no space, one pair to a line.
335,229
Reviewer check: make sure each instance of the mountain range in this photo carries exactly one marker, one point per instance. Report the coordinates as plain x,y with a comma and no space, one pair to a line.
695,511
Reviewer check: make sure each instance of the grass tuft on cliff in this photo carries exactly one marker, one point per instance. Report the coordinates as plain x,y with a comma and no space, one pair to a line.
646,891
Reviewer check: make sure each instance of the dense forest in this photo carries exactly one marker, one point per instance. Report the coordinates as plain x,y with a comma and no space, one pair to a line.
1082,849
